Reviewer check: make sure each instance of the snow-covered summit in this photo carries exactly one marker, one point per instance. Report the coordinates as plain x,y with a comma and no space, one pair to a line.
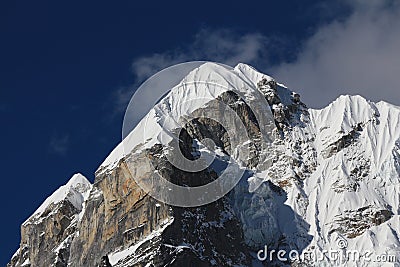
75,191
340,163
200,86
375,124
330,174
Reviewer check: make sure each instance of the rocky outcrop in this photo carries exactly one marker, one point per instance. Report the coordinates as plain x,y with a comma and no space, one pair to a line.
119,214
309,176
47,235
355,223
345,141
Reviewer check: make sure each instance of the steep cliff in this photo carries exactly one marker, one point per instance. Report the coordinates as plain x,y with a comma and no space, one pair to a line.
308,179
47,234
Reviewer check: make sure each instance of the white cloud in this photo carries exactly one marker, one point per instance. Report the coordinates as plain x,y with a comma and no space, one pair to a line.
121,98
358,55
222,45
145,67
59,144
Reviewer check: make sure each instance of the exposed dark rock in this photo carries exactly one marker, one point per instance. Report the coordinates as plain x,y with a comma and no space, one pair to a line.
345,141
355,223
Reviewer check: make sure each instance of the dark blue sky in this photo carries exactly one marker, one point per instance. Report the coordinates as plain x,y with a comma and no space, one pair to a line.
62,62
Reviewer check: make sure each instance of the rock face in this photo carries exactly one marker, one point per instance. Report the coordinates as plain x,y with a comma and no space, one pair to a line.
48,233
312,177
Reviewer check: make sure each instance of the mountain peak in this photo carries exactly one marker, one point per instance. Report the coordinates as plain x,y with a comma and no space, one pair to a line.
202,85
77,180
327,175
74,191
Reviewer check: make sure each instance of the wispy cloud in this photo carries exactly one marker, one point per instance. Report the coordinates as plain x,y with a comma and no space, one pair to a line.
121,98
355,55
59,144
219,45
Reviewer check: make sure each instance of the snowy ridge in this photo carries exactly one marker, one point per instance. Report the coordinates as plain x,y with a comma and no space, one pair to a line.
122,258
330,174
190,94
359,181
347,185
75,191
340,117
350,188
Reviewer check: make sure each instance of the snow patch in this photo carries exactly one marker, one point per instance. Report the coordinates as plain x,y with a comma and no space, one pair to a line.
115,257
75,191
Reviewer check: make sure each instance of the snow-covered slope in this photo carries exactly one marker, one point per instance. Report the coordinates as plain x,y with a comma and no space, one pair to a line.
354,192
199,87
338,166
355,152
328,180
75,191
345,183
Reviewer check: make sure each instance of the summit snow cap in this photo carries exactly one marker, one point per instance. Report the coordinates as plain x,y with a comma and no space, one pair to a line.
209,93
74,191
